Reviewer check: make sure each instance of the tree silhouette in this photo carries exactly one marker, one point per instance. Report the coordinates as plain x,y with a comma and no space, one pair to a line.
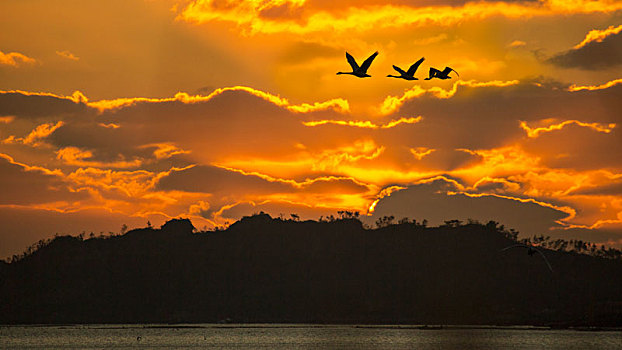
385,221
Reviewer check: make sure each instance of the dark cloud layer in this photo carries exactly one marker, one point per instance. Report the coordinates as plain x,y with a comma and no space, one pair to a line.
489,117
335,5
38,106
20,185
430,201
595,55
211,179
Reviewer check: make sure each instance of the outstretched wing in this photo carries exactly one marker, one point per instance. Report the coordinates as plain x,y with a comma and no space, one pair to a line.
545,259
352,62
415,66
399,70
368,61
514,246
448,70
534,248
433,72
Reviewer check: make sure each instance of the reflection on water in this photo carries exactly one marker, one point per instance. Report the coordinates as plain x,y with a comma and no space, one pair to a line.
300,337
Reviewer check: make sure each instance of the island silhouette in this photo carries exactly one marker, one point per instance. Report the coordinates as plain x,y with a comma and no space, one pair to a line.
335,270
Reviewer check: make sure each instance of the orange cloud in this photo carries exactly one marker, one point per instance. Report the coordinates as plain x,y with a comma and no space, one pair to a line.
199,208
76,97
339,105
517,43
33,139
606,85
365,124
68,55
132,184
486,181
386,192
6,119
109,125
534,132
26,167
499,162
248,14
598,35
393,103
340,170
421,152
164,150
565,209
430,40
15,59
331,159
77,157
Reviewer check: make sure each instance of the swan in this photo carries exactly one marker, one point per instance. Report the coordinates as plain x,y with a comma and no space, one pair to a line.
435,73
531,250
361,71
410,74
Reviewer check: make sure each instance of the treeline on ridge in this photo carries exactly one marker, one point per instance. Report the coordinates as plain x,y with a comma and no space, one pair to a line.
334,270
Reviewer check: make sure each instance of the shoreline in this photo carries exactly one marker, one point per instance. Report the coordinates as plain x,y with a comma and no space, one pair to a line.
426,327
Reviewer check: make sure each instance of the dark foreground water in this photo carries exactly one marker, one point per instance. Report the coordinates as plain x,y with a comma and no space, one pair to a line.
300,337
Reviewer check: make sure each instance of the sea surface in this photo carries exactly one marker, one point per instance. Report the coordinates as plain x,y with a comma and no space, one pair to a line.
322,337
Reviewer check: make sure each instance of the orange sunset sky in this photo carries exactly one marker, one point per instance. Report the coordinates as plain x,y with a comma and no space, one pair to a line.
122,112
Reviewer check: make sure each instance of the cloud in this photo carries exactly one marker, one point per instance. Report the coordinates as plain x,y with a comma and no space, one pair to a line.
162,150
578,147
499,113
304,51
431,40
338,104
421,152
534,132
613,187
211,179
517,43
84,158
599,36
29,105
364,124
440,199
241,150
300,17
606,85
601,49
15,59
35,136
23,226
68,55
27,185
227,191
7,119
393,103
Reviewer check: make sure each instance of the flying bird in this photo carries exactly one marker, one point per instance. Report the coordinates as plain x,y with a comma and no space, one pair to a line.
435,73
531,250
361,71
410,74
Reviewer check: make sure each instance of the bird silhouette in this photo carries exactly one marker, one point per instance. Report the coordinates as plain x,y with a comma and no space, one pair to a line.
435,73
410,74
361,71
531,250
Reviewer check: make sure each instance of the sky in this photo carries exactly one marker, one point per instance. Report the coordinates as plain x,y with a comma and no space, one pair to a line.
126,112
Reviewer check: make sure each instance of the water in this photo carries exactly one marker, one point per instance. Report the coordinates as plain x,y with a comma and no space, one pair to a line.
299,337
